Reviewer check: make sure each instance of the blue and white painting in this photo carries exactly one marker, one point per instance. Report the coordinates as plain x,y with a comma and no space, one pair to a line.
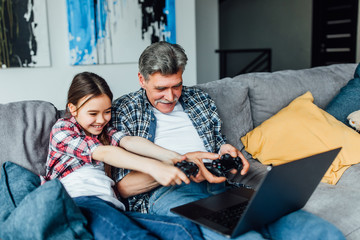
117,31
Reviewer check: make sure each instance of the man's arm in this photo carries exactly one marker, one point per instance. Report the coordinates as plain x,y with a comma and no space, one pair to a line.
136,183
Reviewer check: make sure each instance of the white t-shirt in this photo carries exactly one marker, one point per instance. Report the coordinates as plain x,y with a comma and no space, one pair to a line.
176,132
91,180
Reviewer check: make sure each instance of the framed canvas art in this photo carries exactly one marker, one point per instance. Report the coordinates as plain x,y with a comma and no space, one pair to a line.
24,40
117,31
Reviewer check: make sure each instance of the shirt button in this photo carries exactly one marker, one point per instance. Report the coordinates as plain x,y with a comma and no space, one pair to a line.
152,119
150,135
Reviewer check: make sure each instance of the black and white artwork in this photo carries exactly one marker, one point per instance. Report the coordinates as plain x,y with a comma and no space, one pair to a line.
24,40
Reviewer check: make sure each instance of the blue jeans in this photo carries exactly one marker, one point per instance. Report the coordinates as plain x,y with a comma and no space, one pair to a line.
106,222
297,225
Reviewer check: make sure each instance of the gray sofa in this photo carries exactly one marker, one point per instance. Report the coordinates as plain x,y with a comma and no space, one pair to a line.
244,102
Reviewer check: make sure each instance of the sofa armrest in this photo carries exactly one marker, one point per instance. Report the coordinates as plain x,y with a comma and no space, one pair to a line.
25,130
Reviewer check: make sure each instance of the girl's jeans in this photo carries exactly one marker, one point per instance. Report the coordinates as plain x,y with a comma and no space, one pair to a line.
297,225
107,222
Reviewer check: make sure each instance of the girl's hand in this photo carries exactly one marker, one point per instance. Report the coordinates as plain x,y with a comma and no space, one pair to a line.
175,159
168,175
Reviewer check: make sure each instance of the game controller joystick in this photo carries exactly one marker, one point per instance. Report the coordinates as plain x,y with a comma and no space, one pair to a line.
189,168
220,167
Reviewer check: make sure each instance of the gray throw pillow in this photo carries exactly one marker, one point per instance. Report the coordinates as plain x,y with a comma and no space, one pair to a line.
31,212
231,99
25,130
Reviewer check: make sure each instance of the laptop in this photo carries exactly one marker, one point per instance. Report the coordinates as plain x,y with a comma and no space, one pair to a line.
284,189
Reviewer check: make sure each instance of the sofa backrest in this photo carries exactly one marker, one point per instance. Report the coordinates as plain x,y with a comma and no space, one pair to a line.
25,130
270,92
247,100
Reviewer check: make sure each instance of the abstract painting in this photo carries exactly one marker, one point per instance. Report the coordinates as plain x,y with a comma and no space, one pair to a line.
24,40
117,31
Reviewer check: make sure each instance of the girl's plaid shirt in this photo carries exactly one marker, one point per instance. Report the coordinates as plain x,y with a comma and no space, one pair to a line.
70,147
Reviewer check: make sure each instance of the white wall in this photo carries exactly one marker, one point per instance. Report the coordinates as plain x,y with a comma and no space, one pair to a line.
51,83
207,40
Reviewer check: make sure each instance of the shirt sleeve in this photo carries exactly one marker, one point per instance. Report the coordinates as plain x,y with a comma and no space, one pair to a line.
215,118
122,120
67,140
115,136
117,173
122,117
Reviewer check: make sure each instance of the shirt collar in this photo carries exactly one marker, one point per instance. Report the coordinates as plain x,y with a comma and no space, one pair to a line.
81,130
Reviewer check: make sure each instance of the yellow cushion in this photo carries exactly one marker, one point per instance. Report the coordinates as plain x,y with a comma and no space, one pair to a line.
302,129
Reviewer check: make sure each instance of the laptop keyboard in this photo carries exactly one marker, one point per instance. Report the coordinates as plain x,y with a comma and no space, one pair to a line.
228,217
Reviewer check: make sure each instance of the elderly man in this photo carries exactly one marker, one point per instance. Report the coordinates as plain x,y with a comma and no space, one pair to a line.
185,120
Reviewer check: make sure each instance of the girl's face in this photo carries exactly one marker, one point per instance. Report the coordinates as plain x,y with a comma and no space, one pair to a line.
92,115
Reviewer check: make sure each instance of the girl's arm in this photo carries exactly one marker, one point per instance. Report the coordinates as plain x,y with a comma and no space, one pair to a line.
117,157
147,148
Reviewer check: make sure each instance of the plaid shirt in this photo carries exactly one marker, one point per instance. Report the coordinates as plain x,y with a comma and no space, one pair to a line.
70,148
133,115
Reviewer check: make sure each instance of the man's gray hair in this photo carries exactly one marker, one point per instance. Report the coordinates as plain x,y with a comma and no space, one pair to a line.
162,57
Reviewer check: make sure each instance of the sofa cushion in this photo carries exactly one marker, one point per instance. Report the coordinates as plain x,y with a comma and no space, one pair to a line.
338,205
30,211
25,130
270,92
232,101
302,129
348,99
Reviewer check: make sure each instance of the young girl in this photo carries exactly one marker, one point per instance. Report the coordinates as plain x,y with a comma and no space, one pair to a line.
80,145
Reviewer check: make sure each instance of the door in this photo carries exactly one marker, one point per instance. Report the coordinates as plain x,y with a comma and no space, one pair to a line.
334,32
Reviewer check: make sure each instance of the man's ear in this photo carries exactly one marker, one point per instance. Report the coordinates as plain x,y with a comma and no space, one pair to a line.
141,80
72,109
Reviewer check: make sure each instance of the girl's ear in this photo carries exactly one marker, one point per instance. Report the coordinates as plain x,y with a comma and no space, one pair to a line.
72,109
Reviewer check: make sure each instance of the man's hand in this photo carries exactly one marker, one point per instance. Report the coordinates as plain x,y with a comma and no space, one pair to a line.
204,174
234,152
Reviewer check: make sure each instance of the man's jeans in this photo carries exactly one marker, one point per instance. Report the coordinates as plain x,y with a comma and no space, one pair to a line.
106,222
297,225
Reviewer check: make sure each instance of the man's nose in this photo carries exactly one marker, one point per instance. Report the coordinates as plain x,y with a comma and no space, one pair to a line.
169,95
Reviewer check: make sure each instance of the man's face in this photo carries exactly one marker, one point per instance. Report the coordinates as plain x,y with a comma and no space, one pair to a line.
163,92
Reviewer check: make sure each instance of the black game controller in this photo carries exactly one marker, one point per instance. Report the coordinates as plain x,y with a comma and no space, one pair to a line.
220,167
189,168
